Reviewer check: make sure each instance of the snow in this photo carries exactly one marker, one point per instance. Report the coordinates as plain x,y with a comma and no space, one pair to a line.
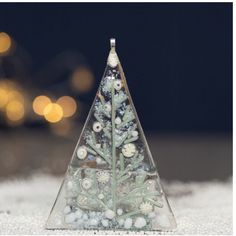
199,207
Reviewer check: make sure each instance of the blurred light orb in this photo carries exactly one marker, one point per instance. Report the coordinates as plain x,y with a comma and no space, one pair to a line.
15,110
5,42
40,103
68,105
82,80
53,112
3,97
15,95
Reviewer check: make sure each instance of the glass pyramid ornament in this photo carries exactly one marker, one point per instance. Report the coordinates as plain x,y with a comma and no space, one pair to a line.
112,181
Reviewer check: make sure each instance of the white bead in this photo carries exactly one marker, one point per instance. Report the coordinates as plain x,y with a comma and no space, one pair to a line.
140,222
119,211
98,145
134,133
109,214
118,120
82,152
105,223
129,150
67,210
70,218
128,223
117,84
97,127
113,59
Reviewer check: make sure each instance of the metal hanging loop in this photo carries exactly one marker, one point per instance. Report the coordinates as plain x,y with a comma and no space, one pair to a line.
113,42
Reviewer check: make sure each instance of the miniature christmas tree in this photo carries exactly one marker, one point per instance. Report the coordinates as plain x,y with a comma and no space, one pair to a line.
112,181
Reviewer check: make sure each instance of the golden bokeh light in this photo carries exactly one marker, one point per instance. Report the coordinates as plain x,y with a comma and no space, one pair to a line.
15,110
53,112
3,98
15,95
5,42
82,80
68,105
12,102
40,103
9,91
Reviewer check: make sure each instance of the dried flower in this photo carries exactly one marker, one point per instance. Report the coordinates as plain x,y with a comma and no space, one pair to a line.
146,208
82,200
103,177
86,183
129,150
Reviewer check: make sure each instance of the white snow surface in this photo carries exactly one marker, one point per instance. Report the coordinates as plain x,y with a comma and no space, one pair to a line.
199,207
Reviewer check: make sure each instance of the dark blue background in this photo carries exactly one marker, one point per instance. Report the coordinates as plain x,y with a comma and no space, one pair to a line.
177,57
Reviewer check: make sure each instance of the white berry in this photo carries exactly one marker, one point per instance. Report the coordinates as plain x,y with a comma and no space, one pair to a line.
82,152
128,223
119,211
134,133
109,214
140,222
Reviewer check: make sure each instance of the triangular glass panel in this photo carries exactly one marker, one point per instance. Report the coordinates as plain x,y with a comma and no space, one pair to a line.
112,181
